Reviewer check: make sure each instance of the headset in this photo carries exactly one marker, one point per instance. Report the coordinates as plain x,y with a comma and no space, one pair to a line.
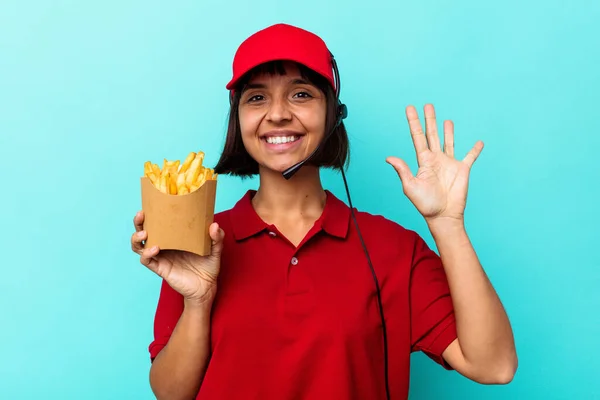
341,114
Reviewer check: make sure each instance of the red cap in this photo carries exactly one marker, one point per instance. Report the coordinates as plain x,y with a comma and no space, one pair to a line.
282,42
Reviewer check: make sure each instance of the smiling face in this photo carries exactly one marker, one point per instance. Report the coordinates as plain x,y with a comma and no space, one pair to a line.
282,118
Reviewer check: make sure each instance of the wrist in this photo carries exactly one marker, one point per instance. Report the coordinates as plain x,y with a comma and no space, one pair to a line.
201,304
443,226
197,310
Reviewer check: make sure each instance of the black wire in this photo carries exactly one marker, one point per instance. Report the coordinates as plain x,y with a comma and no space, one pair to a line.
383,326
379,302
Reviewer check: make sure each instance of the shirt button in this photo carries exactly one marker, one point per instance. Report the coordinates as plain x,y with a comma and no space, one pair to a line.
272,234
294,261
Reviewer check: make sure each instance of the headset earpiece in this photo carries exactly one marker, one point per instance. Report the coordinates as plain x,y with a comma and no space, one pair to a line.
342,113
342,110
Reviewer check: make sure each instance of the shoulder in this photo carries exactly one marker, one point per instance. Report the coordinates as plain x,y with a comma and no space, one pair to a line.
238,207
222,216
394,249
390,237
383,227
382,231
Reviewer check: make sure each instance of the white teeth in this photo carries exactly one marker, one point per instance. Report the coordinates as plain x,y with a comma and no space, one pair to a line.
281,139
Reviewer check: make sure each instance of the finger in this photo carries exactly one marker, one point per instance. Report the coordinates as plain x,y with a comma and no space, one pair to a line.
138,221
473,154
402,169
137,241
416,131
449,138
148,259
217,235
431,128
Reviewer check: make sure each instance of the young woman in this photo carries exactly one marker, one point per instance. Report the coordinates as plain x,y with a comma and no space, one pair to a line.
287,306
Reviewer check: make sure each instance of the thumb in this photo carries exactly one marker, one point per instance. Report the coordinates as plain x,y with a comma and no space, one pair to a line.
402,169
217,235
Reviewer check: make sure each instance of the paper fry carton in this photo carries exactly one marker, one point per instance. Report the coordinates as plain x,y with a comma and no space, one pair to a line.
179,222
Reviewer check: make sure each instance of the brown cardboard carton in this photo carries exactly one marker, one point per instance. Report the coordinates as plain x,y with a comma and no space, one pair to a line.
179,222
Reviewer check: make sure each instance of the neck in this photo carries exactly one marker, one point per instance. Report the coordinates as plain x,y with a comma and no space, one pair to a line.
278,198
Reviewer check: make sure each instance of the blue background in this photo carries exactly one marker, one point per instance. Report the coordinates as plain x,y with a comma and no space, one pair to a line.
90,90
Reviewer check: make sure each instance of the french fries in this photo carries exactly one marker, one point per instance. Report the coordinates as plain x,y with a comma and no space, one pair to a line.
178,178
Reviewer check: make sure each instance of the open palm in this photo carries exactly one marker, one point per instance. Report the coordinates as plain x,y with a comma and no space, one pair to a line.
439,189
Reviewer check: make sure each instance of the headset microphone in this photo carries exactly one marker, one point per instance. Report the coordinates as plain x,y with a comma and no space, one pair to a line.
341,113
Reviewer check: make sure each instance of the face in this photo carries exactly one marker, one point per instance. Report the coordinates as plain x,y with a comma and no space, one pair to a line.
282,118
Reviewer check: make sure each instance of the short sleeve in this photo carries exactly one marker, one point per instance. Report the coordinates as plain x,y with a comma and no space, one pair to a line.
168,311
433,325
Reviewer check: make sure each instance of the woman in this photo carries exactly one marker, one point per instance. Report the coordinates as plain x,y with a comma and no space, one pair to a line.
285,307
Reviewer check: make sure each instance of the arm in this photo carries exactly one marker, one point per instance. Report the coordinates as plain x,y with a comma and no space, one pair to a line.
485,349
178,370
181,345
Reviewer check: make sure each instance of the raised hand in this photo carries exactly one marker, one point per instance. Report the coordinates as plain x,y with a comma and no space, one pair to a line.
193,276
439,189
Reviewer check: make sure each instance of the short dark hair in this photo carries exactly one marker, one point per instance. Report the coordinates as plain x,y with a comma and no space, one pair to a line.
334,153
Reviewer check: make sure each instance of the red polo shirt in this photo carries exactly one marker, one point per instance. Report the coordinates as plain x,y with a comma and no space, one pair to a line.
303,323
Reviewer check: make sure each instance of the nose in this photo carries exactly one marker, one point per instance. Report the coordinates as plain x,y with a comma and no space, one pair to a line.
279,111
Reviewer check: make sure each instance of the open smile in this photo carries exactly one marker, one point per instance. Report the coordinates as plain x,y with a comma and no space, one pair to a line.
282,140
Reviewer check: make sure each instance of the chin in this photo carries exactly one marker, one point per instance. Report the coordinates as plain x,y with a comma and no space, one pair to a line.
279,167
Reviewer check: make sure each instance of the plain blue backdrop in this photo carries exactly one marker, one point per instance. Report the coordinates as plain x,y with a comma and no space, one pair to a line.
90,90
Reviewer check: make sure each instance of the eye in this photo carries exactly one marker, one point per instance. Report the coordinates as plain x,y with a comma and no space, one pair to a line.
255,98
304,95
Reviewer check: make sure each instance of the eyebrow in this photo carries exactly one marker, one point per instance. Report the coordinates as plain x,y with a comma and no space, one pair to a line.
296,81
299,81
254,86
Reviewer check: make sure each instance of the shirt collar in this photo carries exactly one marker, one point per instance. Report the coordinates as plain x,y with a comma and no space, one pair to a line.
245,221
